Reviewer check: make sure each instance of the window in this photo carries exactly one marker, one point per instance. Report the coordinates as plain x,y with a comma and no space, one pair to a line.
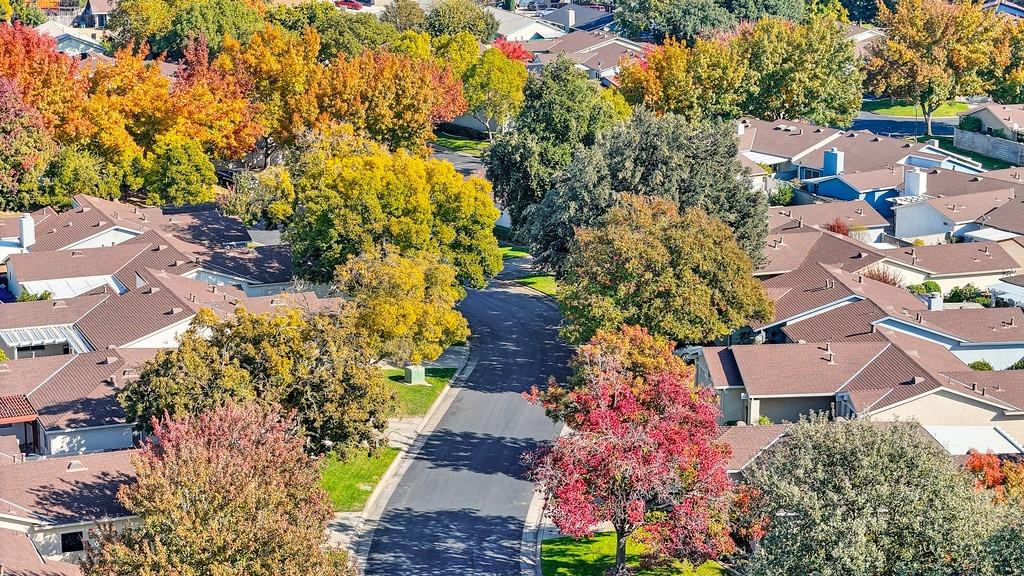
71,542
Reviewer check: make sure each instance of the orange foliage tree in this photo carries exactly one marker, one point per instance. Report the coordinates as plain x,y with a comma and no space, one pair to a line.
1005,478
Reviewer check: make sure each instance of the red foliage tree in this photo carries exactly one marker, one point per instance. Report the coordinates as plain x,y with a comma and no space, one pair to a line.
24,144
838,226
513,50
642,451
1005,478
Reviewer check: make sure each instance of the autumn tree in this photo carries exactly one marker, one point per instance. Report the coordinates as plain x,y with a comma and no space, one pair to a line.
681,276
562,109
458,53
693,165
640,452
405,15
340,32
167,27
25,147
512,50
47,80
933,51
229,491
838,226
404,305
494,89
856,498
1003,478
311,364
177,172
27,13
353,195
449,17
264,198
1008,84
700,82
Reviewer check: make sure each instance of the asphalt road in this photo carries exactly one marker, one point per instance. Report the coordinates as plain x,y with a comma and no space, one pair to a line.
900,127
464,163
460,507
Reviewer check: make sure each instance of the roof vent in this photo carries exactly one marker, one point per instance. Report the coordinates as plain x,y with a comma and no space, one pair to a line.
59,304
76,253
175,310
83,209
76,466
5,368
68,224
152,290
100,223
179,262
917,380
160,247
110,360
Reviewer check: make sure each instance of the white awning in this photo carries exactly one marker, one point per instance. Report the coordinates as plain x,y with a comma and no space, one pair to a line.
761,158
990,234
958,440
43,335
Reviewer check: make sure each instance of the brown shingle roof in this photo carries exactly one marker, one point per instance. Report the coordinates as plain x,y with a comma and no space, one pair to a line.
261,264
977,324
769,137
722,366
1007,114
852,322
963,258
1005,386
865,151
1009,217
48,312
747,442
19,558
789,249
970,207
855,213
802,369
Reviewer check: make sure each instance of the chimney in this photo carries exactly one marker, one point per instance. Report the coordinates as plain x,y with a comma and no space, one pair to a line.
835,162
935,301
831,357
741,128
933,143
915,182
920,317
570,19
27,230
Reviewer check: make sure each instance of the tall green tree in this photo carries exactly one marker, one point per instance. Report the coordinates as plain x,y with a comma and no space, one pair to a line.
694,165
405,15
312,364
340,32
792,10
449,17
933,51
226,492
681,276
178,172
854,498
353,196
74,170
562,109
494,89
168,27
678,19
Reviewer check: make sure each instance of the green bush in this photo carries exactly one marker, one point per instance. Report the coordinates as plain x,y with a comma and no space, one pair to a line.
970,123
27,296
1018,365
967,293
782,196
926,287
981,365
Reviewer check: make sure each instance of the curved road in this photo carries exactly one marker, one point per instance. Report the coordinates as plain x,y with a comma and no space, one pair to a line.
461,505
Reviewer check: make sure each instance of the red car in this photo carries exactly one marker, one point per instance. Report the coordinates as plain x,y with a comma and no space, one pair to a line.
348,4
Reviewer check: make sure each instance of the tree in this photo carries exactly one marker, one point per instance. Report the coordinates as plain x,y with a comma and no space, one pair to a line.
229,491
311,364
211,20
640,452
449,17
933,51
262,198
982,365
804,71
353,195
562,109
27,13
405,305
25,147
340,32
792,10
694,165
458,52
679,276
513,50
47,80
702,82
405,15
678,19
134,23
394,99
74,170
838,226
966,293
857,498
1008,85
178,172
494,89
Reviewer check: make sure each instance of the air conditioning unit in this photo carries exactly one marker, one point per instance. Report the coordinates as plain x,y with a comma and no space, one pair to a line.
744,396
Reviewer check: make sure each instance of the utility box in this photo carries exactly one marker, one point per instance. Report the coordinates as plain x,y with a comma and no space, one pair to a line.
415,374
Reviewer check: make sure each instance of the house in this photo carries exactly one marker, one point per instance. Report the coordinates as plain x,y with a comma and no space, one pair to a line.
930,219
518,28
577,17
1005,218
46,327
747,443
862,38
48,507
951,265
1010,9
56,405
1004,120
597,53
778,145
861,151
795,245
72,41
96,13
864,222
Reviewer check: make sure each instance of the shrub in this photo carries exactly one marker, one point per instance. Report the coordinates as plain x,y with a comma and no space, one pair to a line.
1018,365
763,420
967,293
838,226
926,287
27,296
981,365
970,123
883,274
782,196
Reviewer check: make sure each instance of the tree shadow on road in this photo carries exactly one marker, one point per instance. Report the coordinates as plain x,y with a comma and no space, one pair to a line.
476,452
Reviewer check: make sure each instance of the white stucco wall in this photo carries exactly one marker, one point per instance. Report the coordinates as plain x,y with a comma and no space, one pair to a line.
166,338
78,441
106,238
47,538
945,408
920,220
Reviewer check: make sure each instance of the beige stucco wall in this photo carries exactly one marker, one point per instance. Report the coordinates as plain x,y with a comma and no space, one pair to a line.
733,407
47,538
947,283
788,409
945,408
1016,251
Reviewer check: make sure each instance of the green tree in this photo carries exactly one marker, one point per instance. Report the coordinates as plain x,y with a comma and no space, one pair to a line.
679,19
854,498
494,89
353,195
562,109
226,492
74,170
312,364
212,20
681,276
755,9
266,197
135,22
405,15
340,32
694,165
405,306
981,365
178,172
27,13
449,17
457,52
804,71
933,51
1008,84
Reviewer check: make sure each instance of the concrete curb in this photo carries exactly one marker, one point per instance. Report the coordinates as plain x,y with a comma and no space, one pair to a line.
378,500
533,531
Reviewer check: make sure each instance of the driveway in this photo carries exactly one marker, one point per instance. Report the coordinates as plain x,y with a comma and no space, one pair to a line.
460,506
901,127
464,163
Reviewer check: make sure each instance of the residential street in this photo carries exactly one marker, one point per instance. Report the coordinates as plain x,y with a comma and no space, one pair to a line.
900,127
461,505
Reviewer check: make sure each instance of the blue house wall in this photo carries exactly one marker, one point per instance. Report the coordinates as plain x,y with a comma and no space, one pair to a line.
878,199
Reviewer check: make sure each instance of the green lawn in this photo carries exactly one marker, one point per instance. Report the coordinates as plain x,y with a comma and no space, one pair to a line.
350,483
416,400
461,144
541,282
885,107
592,556
946,142
513,252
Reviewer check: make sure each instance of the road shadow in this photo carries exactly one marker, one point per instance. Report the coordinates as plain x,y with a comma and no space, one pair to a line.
476,452
457,542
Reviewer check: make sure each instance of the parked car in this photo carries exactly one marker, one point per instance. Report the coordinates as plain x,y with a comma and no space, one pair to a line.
348,4
366,2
